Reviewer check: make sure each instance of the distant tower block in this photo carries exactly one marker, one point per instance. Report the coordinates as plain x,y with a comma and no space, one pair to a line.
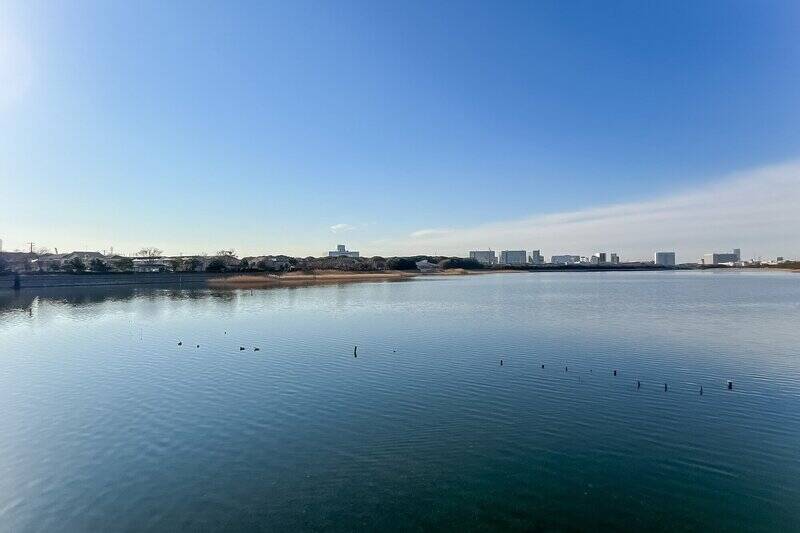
664,258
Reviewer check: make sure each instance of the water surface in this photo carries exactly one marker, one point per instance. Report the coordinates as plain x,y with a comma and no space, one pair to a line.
108,424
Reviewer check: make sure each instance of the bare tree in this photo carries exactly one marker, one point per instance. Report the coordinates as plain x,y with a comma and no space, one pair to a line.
150,252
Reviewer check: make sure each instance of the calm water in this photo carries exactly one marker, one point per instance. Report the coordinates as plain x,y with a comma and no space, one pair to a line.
107,424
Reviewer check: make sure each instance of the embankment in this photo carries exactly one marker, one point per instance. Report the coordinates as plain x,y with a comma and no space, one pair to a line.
43,281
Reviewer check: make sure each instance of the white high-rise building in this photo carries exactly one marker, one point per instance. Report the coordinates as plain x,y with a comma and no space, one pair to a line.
723,258
664,258
486,257
536,257
342,251
513,257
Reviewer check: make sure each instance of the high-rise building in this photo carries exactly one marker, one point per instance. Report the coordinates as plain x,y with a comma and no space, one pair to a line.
536,257
486,257
604,258
342,251
565,259
722,258
513,257
664,258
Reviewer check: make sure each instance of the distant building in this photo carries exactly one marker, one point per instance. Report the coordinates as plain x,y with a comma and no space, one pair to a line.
59,261
342,251
722,258
151,264
18,261
426,266
514,257
536,257
604,258
664,258
565,259
486,257
270,262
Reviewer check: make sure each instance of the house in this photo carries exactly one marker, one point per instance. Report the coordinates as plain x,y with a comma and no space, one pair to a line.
273,263
426,267
151,264
51,262
18,261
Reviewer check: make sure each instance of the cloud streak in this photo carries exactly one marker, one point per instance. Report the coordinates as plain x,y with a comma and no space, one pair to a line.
341,228
756,210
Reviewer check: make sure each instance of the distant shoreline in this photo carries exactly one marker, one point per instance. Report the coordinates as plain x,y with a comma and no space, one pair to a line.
306,278
313,277
322,277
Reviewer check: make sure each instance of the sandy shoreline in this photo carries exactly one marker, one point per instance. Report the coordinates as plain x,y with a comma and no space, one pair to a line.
308,278
322,277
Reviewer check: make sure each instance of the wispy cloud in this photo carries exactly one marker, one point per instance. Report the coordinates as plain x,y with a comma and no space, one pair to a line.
756,211
429,233
341,228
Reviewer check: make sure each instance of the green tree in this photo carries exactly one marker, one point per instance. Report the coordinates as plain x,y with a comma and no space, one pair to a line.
75,264
98,265
244,264
176,263
124,264
460,262
401,263
216,265
3,265
193,264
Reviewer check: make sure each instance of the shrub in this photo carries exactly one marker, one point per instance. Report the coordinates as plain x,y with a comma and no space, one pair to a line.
98,265
216,265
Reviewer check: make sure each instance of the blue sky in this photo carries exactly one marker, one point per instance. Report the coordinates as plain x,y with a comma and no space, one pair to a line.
260,126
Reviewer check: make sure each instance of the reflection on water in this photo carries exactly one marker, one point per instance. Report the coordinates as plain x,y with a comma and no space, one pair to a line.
109,424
